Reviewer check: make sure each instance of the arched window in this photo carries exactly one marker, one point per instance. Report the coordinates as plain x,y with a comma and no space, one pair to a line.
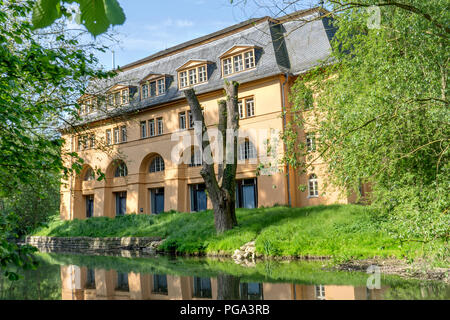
246,150
121,170
157,164
313,186
89,175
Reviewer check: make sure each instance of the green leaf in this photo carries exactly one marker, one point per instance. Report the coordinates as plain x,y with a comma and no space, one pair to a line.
114,12
45,12
93,16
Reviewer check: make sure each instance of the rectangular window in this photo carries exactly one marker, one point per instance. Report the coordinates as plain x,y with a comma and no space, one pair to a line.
143,129
151,127
110,100
116,98
250,107
160,126
152,88
182,120
241,109
310,142
238,63
92,141
227,68
89,106
145,91
202,74
191,119
161,86
108,137
249,60
192,76
79,143
125,96
123,131
116,135
183,79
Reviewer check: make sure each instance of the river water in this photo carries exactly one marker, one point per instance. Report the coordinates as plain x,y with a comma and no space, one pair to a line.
77,277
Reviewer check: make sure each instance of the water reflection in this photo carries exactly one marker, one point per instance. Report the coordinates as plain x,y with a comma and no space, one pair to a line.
77,277
82,283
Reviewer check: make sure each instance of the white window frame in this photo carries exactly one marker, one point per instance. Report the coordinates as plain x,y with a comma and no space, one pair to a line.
247,150
161,86
313,186
311,142
250,106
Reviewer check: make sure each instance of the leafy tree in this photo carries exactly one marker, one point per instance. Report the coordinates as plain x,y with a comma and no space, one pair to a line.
381,111
42,75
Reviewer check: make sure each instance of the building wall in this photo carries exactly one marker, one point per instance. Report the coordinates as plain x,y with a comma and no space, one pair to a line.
137,153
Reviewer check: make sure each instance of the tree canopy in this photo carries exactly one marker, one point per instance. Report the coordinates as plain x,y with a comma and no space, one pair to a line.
381,112
43,74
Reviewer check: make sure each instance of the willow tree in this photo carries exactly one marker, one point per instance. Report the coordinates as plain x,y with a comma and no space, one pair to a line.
221,187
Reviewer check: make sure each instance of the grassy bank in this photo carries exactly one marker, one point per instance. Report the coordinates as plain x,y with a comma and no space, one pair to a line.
338,231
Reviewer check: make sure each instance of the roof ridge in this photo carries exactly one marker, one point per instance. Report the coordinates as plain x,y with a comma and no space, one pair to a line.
193,42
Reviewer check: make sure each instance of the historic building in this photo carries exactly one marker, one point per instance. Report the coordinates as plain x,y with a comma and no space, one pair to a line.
128,134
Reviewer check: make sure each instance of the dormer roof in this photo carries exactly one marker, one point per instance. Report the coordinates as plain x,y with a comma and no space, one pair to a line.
237,49
192,63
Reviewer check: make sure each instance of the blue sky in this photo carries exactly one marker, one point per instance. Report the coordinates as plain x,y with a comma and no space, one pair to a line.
154,25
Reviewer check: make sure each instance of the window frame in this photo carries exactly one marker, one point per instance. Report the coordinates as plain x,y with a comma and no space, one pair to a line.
158,163
143,129
243,64
247,151
312,178
242,103
182,120
123,134
157,87
187,77
159,129
310,142
108,137
151,128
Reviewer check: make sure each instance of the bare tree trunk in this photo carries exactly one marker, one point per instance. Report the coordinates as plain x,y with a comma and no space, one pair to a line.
221,190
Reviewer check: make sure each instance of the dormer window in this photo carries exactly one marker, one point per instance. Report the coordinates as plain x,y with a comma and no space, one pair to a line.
118,96
87,106
192,73
153,85
238,59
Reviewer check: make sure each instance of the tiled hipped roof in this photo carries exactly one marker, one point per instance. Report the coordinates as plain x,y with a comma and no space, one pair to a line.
284,45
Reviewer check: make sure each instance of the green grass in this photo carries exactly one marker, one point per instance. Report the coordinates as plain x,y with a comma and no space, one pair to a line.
339,231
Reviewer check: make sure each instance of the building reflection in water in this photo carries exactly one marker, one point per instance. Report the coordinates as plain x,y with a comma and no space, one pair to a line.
81,283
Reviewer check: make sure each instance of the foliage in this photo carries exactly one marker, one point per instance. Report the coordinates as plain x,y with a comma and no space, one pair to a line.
33,203
381,112
43,72
339,231
95,15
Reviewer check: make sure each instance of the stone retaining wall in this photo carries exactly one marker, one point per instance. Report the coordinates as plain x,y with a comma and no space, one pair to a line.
93,245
